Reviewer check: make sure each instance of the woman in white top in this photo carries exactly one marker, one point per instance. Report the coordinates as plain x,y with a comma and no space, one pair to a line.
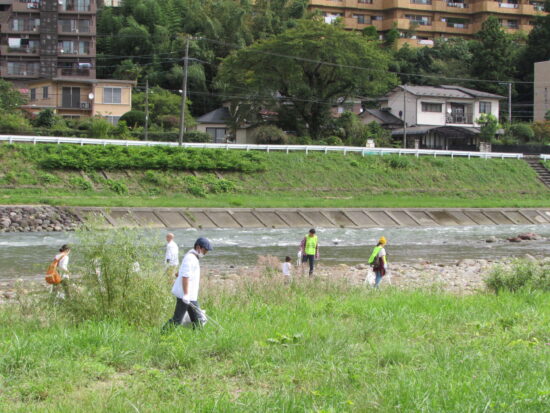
63,269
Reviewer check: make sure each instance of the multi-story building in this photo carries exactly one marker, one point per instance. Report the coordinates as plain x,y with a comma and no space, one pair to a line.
47,39
420,22
542,90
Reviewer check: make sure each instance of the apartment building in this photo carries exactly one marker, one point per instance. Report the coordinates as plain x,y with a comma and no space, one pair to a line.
47,39
420,22
542,90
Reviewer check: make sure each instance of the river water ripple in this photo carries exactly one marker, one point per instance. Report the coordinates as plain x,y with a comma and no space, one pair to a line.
28,254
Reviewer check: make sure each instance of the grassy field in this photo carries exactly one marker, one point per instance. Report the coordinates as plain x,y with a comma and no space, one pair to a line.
284,180
312,346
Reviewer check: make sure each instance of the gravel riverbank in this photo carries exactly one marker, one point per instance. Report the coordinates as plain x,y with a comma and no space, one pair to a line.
463,277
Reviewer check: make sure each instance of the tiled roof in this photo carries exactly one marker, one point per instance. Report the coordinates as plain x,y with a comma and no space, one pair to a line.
220,115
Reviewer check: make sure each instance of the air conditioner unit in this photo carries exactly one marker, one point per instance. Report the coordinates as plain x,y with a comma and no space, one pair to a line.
85,105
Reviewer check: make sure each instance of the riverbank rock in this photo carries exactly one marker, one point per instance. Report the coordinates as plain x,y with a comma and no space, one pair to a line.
492,238
34,219
529,236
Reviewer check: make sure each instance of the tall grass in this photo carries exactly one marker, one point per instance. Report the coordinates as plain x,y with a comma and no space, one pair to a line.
521,275
120,276
314,345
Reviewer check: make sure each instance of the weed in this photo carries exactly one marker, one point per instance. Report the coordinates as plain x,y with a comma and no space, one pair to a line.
80,183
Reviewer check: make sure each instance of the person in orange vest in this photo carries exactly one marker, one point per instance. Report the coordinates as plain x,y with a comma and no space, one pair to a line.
378,261
309,248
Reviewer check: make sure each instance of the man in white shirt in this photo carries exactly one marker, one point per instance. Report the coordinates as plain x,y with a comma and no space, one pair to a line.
172,255
186,286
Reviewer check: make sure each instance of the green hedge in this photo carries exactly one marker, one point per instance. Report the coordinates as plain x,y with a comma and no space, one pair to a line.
113,157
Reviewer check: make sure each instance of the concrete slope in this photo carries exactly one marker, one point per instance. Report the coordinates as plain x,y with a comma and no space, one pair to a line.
306,217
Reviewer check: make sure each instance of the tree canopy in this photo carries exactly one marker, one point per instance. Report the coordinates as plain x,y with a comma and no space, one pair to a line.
308,66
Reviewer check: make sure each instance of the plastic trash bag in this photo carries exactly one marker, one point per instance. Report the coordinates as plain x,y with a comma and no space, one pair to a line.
370,278
186,322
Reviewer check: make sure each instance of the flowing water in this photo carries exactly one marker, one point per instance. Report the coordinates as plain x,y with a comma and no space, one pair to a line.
28,254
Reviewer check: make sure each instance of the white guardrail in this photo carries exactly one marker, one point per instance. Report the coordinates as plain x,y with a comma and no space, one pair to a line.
267,148
544,156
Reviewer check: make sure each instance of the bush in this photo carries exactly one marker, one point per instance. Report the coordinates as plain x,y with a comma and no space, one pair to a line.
196,136
155,157
522,132
522,274
397,162
44,119
269,135
14,122
117,186
112,285
134,118
332,141
541,131
169,121
80,183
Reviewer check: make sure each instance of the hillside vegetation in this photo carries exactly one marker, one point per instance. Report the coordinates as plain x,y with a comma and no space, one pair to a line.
134,176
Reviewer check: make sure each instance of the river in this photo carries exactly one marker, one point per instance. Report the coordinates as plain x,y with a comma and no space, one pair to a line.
24,255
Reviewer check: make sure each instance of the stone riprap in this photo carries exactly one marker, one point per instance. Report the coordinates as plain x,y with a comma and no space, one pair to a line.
35,219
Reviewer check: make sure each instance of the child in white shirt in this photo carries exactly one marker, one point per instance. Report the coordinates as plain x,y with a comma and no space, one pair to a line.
287,268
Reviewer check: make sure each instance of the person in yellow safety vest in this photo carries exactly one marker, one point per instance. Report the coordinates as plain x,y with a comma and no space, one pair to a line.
310,249
378,261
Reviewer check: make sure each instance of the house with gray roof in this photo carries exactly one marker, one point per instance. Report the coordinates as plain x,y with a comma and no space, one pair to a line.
216,124
439,117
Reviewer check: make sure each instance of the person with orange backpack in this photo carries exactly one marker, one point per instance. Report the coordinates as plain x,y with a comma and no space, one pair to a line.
58,272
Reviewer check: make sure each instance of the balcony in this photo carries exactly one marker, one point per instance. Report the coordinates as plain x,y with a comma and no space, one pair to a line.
84,104
459,118
68,72
30,50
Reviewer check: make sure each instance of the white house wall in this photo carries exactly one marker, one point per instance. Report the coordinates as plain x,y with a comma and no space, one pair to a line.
415,115
396,104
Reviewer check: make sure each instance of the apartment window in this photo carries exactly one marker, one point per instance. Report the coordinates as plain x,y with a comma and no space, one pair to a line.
432,107
75,5
23,69
376,17
33,94
421,1
218,134
364,1
45,92
70,97
112,95
484,107
360,18
74,26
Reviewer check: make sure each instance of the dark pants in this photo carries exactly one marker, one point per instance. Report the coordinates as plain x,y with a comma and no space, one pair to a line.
179,313
311,259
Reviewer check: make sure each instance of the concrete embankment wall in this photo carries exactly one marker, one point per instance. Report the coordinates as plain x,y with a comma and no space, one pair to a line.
307,217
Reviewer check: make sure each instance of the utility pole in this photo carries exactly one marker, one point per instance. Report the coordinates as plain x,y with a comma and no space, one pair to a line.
146,108
510,102
184,91
404,118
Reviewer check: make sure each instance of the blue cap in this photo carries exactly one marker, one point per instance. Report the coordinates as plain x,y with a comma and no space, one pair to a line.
204,243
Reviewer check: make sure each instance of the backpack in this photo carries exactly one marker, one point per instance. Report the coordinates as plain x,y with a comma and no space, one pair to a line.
52,276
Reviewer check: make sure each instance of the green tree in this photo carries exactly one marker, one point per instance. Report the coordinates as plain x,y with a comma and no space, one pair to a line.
309,66
488,127
161,102
492,56
10,98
